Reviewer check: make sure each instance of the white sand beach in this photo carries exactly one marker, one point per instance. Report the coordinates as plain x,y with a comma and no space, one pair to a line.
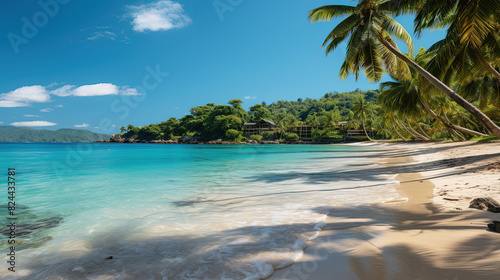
432,234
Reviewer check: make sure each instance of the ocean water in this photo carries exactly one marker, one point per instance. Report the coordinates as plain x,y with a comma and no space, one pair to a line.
177,211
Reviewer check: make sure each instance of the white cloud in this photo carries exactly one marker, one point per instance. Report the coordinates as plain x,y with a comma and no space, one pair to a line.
94,90
251,97
1,122
103,34
82,125
32,116
62,91
9,103
162,15
24,96
52,85
33,123
125,90
46,110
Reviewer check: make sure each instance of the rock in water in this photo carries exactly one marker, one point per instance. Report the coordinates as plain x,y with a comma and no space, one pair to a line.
485,203
26,228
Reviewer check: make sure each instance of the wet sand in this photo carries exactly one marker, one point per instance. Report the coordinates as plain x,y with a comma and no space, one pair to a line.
423,237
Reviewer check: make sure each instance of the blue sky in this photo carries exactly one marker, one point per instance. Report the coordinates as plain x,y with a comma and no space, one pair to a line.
99,65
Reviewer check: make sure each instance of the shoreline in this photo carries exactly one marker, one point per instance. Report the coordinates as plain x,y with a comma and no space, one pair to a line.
220,142
423,237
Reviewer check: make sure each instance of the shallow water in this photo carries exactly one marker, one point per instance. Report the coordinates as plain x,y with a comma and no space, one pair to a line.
178,211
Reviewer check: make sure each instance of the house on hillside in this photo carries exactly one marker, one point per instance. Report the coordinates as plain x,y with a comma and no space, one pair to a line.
304,131
342,124
259,127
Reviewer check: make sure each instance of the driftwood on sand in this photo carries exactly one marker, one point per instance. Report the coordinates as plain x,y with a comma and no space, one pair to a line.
485,203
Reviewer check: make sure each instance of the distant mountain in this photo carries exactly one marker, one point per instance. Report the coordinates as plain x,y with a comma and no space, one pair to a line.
66,135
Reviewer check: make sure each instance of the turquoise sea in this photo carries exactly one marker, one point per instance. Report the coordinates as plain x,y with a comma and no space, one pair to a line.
146,211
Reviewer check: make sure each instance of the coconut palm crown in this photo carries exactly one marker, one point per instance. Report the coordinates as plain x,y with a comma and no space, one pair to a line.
362,27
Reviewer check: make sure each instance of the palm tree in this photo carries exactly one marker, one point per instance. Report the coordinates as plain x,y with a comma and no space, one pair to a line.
485,90
285,121
331,118
386,117
406,97
361,110
371,47
313,120
472,28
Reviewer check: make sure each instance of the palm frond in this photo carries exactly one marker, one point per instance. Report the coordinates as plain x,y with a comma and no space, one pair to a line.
353,54
433,12
371,60
394,66
476,20
326,13
340,32
394,28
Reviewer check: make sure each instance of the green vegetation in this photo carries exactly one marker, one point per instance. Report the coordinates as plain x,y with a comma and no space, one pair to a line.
256,137
211,121
291,137
451,90
268,136
23,134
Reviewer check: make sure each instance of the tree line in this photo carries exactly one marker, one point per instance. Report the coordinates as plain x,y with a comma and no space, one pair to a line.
212,121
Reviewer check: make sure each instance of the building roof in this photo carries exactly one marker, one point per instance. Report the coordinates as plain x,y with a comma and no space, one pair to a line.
268,121
262,121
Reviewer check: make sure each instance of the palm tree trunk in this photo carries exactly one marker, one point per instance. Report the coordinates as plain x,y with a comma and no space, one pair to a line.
456,132
422,130
444,88
398,133
363,121
459,135
486,63
493,71
447,124
415,132
407,130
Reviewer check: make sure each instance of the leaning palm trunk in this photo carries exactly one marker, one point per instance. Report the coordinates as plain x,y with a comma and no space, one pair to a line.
448,124
422,130
416,133
487,122
458,135
407,130
493,71
398,133
487,64
456,132
364,128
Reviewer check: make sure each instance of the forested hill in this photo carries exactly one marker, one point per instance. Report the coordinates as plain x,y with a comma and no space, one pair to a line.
24,134
339,104
212,121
